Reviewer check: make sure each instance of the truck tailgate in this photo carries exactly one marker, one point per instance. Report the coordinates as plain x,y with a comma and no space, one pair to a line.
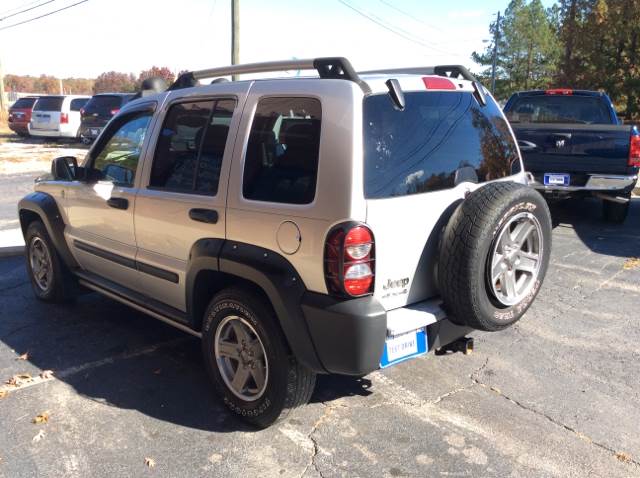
574,148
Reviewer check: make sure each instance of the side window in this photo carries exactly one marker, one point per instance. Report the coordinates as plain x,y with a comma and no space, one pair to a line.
78,103
281,162
188,157
118,159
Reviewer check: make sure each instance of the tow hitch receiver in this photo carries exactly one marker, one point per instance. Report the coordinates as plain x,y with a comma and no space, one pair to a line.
464,345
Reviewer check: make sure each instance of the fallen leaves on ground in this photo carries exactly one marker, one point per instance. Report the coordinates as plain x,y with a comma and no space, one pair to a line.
38,437
3,393
150,462
20,379
46,374
41,418
24,356
623,457
631,263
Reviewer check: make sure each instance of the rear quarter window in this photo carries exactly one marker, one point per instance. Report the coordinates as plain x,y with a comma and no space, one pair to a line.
49,103
439,139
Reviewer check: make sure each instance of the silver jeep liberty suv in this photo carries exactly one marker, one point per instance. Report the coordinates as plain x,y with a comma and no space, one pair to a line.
330,224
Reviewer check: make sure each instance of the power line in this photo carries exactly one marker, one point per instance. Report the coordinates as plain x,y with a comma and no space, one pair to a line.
394,30
26,10
407,14
42,16
28,4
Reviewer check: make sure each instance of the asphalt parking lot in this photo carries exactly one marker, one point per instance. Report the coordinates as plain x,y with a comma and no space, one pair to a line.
556,395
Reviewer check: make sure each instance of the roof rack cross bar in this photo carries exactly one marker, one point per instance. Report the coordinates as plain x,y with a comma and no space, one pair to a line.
450,71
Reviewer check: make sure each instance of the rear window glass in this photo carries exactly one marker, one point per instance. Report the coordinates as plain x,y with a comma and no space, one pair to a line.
281,162
49,103
78,103
103,104
24,103
439,139
559,109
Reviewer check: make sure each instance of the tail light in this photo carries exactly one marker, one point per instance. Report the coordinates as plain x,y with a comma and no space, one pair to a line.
559,91
349,257
634,149
114,111
64,118
438,83
81,111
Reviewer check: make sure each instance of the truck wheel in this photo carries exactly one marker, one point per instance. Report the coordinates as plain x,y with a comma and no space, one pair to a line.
615,212
51,281
248,359
494,255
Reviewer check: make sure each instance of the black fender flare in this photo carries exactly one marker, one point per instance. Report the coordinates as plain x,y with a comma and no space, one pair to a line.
45,206
268,270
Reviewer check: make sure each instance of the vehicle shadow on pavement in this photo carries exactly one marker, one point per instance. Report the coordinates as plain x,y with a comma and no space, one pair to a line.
117,357
585,218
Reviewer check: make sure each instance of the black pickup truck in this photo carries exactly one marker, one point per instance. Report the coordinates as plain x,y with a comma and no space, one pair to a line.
573,144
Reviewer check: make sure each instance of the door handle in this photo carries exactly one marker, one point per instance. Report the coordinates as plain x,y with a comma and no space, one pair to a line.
118,203
209,216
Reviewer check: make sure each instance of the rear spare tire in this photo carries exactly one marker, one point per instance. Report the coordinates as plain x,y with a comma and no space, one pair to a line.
494,255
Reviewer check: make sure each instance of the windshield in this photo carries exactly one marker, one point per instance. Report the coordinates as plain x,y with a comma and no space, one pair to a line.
559,109
440,139
49,103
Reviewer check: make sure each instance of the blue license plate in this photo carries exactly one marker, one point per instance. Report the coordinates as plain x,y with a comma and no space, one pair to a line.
557,179
404,347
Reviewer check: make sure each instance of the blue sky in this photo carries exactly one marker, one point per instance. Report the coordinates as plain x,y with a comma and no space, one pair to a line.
131,35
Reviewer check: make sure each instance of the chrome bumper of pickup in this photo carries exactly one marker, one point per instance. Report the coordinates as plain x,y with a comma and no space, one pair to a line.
595,183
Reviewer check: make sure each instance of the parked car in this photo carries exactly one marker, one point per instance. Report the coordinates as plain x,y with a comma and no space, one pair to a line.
299,226
574,145
98,111
20,115
57,116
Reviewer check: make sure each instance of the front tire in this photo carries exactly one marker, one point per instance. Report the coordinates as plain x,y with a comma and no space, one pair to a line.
249,361
51,281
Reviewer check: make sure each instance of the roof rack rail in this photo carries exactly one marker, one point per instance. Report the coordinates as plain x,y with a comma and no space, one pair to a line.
450,71
330,67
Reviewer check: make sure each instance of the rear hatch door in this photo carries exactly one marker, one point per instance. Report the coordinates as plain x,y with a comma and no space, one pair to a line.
418,165
46,113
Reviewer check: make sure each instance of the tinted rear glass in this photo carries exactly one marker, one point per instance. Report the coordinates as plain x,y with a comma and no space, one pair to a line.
25,103
49,103
559,109
78,103
438,137
104,104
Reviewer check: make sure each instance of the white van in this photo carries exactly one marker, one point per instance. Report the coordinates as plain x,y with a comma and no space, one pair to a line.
57,116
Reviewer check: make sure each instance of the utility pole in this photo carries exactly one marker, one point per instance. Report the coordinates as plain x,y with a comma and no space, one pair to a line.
3,105
496,39
61,88
235,34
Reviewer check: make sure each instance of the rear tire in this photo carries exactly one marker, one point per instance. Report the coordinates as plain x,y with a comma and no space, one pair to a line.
249,361
494,255
615,212
51,281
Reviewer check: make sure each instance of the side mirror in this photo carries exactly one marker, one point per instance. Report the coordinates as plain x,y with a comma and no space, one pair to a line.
64,168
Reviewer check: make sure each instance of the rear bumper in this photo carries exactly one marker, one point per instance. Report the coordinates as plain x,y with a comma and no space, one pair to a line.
16,127
52,133
596,182
349,336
